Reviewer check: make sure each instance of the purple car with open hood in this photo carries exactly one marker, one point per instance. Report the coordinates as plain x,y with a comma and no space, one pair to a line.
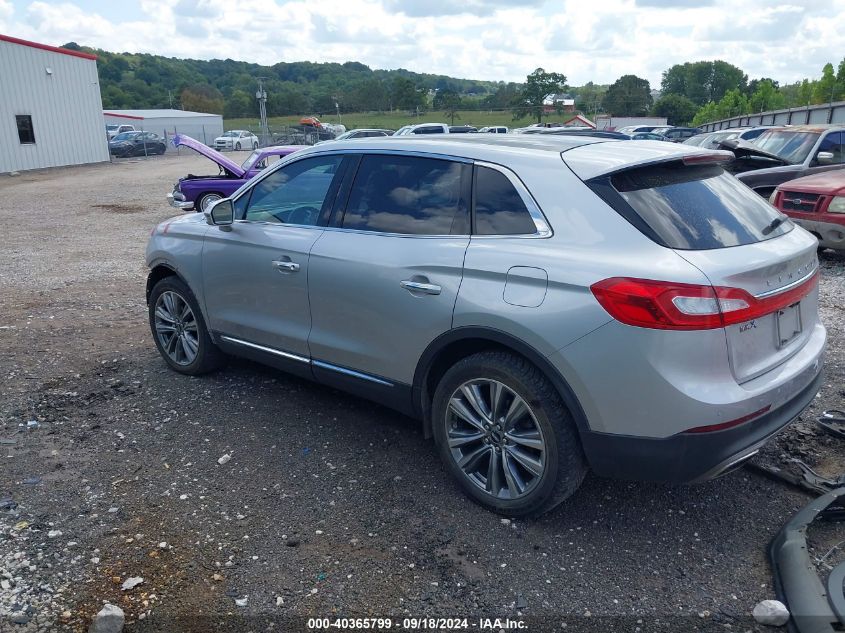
199,192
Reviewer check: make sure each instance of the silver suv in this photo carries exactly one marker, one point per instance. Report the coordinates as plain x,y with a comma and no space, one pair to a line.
543,305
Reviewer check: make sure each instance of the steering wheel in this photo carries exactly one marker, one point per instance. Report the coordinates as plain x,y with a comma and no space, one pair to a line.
303,215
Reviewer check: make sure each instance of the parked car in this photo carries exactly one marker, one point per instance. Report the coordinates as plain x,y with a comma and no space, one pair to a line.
667,338
363,133
236,140
816,203
200,192
494,129
647,136
566,131
633,129
114,130
422,128
677,134
782,154
462,129
711,140
136,144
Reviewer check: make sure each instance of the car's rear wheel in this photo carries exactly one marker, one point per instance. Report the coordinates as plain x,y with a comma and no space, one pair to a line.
178,329
206,200
505,435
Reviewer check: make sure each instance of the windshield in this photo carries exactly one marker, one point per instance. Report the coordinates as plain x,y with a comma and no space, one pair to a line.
344,135
791,146
230,133
125,136
111,128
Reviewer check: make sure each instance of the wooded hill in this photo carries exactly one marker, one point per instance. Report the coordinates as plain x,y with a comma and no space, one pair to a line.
225,86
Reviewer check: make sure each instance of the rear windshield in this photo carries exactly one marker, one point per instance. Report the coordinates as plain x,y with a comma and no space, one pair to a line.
692,207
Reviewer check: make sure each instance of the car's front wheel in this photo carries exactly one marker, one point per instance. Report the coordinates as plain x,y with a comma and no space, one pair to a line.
179,330
255,145
505,435
238,146
205,201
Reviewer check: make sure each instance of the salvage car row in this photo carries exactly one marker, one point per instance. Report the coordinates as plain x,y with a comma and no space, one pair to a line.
767,159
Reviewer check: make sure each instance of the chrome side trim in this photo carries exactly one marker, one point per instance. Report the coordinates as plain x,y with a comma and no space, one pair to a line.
771,293
262,348
544,229
350,372
302,359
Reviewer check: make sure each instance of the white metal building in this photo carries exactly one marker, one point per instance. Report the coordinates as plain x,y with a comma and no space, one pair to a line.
203,127
50,107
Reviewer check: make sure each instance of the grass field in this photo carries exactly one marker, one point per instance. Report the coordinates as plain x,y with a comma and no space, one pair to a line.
388,120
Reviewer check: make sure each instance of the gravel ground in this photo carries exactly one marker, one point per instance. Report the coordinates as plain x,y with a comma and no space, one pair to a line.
329,506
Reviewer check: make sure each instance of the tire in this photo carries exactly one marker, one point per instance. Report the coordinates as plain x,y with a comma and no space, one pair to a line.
207,198
168,299
546,424
255,146
238,146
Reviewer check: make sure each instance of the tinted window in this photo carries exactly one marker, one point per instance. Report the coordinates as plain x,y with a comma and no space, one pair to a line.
697,207
791,146
26,134
407,194
499,209
295,194
428,130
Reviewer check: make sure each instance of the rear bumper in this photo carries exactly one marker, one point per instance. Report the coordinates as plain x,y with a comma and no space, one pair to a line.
690,457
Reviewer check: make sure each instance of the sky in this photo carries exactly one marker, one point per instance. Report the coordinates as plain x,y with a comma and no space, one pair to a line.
477,39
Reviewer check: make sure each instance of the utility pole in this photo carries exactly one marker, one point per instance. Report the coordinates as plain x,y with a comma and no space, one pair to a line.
261,95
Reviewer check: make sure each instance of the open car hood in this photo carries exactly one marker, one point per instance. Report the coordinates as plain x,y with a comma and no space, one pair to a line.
229,165
742,149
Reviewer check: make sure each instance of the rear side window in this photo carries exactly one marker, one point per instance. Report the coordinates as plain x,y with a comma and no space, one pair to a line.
499,209
691,207
408,195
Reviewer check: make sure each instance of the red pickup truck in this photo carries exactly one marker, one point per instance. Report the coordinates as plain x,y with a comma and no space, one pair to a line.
816,203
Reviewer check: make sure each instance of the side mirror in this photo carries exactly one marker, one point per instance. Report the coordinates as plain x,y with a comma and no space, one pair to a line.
221,213
824,158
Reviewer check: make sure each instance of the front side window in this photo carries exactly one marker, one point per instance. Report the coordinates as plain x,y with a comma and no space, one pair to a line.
835,144
408,195
296,194
26,134
499,209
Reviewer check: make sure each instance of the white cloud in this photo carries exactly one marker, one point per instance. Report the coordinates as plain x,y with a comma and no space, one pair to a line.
480,39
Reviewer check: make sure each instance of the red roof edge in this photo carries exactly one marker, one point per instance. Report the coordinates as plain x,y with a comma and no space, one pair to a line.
123,116
46,47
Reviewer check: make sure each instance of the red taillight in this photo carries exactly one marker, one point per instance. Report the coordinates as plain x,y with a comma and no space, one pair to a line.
665,305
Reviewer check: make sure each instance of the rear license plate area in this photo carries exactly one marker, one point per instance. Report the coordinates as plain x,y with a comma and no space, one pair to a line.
789,325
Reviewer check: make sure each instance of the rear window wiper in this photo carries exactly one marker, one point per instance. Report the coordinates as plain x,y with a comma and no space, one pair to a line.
775,224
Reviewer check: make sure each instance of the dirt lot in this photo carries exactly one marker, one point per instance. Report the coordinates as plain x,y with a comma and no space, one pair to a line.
330,506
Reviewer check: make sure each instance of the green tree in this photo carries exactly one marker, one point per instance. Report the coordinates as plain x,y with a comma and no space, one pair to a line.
826,88
677,109
240,104
766,97
202,98
628,96
405,95
450,102
707,113
703,81
539,85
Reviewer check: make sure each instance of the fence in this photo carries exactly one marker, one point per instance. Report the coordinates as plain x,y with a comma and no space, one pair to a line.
811,114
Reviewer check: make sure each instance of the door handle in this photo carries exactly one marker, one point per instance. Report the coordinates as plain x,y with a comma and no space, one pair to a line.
416,286
291,267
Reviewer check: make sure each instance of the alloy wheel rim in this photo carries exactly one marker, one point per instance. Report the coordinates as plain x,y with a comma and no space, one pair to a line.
176,328
209,200
495,439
